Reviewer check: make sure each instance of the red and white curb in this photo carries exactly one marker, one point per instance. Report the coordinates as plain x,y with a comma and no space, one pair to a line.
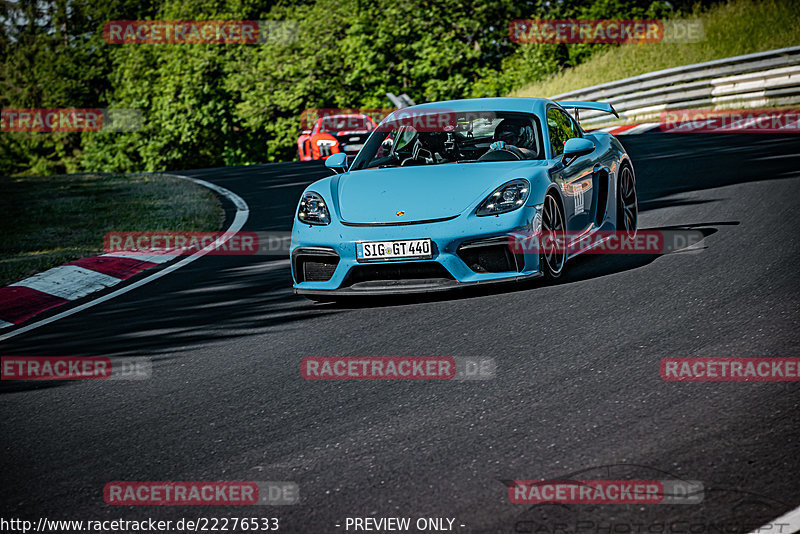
67,283
60,285
631,129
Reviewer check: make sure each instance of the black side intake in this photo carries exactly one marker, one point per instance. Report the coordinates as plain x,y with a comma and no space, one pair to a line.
314,264
493,255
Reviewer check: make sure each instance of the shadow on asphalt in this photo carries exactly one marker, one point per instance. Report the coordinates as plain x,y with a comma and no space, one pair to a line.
219,298
584,267
242,296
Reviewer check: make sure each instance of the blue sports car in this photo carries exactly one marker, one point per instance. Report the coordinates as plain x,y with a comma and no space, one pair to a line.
441,192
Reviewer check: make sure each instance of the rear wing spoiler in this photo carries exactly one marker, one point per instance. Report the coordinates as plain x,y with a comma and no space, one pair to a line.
596,106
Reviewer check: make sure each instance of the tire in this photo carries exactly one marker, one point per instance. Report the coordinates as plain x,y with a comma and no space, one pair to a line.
553,255
627,203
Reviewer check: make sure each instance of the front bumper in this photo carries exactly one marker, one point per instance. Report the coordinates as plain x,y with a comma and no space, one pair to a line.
467,251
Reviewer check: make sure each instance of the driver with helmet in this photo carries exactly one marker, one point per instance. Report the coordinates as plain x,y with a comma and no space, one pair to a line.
515,136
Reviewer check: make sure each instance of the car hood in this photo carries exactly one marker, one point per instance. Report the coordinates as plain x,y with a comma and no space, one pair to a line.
408,194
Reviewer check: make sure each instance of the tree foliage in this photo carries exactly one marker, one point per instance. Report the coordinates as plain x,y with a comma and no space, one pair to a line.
212,105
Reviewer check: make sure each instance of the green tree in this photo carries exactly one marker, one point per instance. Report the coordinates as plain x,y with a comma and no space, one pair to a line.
211,105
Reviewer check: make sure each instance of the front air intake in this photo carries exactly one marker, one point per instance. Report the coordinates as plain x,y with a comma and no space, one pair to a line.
491,255
314,264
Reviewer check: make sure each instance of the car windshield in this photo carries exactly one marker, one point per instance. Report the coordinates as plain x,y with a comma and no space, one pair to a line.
342,123
442,137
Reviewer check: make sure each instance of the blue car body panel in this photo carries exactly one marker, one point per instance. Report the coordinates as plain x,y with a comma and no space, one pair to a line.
580,104
439,202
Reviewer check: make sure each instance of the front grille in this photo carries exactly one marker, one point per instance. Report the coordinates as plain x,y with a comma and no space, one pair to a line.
314,264
317,271
491,256
423,270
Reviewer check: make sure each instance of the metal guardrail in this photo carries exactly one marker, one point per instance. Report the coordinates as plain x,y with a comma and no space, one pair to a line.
754,80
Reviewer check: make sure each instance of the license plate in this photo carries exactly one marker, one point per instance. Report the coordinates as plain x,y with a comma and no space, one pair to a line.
352,148
394,250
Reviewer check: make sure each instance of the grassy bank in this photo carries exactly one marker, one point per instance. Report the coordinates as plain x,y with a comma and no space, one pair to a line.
731,29
50,220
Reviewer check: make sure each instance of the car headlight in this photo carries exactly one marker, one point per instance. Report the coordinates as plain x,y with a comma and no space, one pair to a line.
313,210
508,197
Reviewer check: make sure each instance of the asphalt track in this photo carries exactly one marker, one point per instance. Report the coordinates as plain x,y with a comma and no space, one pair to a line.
577,389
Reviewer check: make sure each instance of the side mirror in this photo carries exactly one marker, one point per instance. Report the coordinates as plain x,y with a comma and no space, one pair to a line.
574,148
337,162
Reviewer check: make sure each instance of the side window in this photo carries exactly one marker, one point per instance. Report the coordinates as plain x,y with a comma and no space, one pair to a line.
561,127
